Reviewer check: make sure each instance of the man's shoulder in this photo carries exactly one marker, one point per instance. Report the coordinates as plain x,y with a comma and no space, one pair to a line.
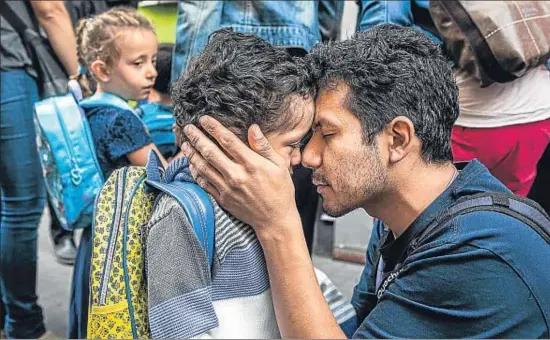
492,248
493,229
481,263
504,234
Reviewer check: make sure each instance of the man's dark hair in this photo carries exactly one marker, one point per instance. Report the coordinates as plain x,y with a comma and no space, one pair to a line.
164,67
240,79
393,71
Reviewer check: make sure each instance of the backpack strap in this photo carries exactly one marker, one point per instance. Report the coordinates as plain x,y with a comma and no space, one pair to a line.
14,20
106,99
523,209
520,208
191,197
477,41
198,209
139,111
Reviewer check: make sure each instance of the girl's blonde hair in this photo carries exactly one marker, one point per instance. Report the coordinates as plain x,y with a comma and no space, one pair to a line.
96,36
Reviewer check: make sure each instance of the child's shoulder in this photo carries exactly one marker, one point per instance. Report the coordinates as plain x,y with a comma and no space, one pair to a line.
109,114
155,107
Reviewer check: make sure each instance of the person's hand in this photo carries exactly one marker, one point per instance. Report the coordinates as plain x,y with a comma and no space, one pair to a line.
253,185
177,132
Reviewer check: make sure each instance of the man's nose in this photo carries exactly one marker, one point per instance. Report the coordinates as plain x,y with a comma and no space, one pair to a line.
312,154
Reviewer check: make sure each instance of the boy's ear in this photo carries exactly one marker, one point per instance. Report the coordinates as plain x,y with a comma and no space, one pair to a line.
100,71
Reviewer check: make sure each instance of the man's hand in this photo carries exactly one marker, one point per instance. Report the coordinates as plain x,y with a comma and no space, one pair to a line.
253,185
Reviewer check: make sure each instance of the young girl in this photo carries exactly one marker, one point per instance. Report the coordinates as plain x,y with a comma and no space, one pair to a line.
118,49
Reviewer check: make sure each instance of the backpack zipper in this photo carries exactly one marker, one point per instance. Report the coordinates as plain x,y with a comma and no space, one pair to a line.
113,236
76,176
91,144
124,260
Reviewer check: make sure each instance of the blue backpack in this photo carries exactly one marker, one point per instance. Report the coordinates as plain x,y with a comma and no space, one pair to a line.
159,120
71,171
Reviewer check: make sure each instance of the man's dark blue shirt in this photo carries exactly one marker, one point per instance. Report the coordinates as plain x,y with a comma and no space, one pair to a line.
484,274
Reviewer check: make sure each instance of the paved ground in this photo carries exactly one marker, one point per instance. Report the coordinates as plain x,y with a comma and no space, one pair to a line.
54,280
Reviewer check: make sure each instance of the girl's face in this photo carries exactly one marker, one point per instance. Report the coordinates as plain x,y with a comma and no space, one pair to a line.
133,75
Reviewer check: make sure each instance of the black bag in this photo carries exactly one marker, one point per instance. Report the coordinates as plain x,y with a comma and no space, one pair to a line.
52,78
84,9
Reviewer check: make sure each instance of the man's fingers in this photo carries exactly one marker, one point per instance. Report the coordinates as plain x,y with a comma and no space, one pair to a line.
209,151
209,188
200,168
227,139
187,150
259,143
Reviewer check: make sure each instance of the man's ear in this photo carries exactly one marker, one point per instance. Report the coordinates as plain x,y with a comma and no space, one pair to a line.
100,71
401,138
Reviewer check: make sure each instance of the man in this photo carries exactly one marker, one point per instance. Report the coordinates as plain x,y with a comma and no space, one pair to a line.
185,301
506,126
385,109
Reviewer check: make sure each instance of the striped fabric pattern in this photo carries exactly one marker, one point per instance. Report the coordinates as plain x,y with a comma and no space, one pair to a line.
184,316
243,273
230,233
239,279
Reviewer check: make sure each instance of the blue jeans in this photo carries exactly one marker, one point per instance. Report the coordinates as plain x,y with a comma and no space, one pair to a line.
22,201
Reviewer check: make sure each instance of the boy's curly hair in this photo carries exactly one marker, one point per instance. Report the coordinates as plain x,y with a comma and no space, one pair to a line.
240,79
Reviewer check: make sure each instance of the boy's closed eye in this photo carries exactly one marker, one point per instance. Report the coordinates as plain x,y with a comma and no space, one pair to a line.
302,142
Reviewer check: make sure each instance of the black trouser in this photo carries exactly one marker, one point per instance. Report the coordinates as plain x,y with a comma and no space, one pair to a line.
540,191
56,230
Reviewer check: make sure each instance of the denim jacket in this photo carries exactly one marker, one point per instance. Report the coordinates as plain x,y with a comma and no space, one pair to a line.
414,13
282,23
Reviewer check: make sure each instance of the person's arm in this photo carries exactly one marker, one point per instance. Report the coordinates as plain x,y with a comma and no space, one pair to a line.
129,138
139,157
400,13
55,20
256,187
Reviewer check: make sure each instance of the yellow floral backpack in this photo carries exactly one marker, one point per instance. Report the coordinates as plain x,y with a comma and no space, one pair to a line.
118,287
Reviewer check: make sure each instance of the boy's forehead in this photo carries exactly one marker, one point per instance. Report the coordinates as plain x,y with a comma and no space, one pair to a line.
301,111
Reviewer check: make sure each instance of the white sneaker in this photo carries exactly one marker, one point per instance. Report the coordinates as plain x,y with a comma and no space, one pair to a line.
327,218
49,335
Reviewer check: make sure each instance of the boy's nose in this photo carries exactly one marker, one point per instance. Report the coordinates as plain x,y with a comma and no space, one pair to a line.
295,157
